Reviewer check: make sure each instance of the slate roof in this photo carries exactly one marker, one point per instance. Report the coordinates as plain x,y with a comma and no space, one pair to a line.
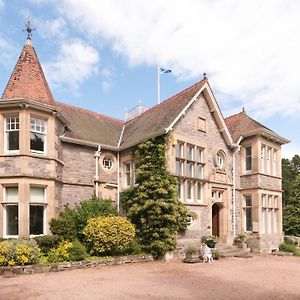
242,125
90,126
27,79
153,122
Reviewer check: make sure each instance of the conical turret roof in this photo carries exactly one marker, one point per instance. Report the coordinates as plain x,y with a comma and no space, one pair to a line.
27,79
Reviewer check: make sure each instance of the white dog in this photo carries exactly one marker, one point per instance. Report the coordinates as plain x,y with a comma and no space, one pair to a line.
206,254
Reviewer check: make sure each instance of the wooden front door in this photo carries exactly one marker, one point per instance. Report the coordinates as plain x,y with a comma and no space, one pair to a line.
215,220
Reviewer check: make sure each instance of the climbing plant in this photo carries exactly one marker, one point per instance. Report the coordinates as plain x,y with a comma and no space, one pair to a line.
153,205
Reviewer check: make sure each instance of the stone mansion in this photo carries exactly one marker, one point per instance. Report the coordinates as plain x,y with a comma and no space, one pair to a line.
51,154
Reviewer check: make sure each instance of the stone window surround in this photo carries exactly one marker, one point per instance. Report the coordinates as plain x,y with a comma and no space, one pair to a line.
129,172
246,207
24,206
25,116
43,132
186,154
16,123
7,203
269,205
221,160
42,203
109,155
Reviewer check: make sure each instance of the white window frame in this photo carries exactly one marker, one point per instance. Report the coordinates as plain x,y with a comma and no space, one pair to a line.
245,207
109,166
5,205
38,203
274,162
35,130
6,123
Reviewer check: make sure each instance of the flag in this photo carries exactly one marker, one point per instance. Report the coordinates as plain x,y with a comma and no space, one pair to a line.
162,71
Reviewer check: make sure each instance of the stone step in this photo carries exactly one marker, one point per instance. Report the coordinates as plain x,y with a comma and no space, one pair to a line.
226,250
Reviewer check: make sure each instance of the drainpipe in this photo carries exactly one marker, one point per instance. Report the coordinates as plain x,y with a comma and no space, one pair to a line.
97,157
118,181
236,148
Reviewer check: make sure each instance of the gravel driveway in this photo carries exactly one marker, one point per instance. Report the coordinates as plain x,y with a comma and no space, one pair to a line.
260,277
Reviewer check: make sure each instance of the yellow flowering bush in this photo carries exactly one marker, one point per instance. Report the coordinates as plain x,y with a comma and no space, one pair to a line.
108,235
19,252
60,253
67,251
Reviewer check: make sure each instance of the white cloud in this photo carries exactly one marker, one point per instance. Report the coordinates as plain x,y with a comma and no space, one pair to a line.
1,4
7,53
107,76
75,63
249,49
51,28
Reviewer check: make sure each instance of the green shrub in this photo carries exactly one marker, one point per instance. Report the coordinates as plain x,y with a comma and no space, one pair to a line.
47,242
91,208
71,222
77,251
190,251
134,247
287,247
67,251
19,252
108,235
65,225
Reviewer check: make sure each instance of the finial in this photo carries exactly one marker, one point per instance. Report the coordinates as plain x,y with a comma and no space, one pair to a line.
204,76
28,29
243,109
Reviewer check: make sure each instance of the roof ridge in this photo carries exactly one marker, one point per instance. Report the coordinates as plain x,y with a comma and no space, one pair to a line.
93,113
235,115
169,99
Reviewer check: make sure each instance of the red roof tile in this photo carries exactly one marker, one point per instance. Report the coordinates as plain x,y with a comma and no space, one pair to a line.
27,79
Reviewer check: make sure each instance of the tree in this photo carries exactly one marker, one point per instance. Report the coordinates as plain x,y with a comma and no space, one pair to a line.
292,210
290,170
153,205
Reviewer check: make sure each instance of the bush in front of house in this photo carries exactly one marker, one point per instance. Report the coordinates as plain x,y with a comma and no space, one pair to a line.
71,222
67,251
108,235
64,225
47,242
19,252
289,247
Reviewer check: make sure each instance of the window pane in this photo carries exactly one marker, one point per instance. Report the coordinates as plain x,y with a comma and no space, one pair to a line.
13,140
36,219
12,219
248,201
248,211
199,191
37,141
248,154
11,194
37,194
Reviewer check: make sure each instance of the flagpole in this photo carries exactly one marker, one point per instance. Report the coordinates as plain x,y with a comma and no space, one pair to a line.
158,84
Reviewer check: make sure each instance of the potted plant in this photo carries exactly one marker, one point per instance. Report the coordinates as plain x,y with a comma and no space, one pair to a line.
211,241
240,240
191,255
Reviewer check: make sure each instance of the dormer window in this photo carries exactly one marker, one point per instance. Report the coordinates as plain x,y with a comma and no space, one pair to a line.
37,135
12,128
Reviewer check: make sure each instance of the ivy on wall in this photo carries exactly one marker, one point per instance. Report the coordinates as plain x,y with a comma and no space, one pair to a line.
153,205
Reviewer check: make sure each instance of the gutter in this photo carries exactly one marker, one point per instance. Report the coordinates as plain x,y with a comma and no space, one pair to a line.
86,143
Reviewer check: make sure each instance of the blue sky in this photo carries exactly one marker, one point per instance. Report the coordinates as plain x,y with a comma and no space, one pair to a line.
102,55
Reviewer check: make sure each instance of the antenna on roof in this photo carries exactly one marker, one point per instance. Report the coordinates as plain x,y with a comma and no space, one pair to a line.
28,29
204,76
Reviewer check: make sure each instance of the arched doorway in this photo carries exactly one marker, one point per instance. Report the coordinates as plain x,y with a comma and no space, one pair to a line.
215,212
